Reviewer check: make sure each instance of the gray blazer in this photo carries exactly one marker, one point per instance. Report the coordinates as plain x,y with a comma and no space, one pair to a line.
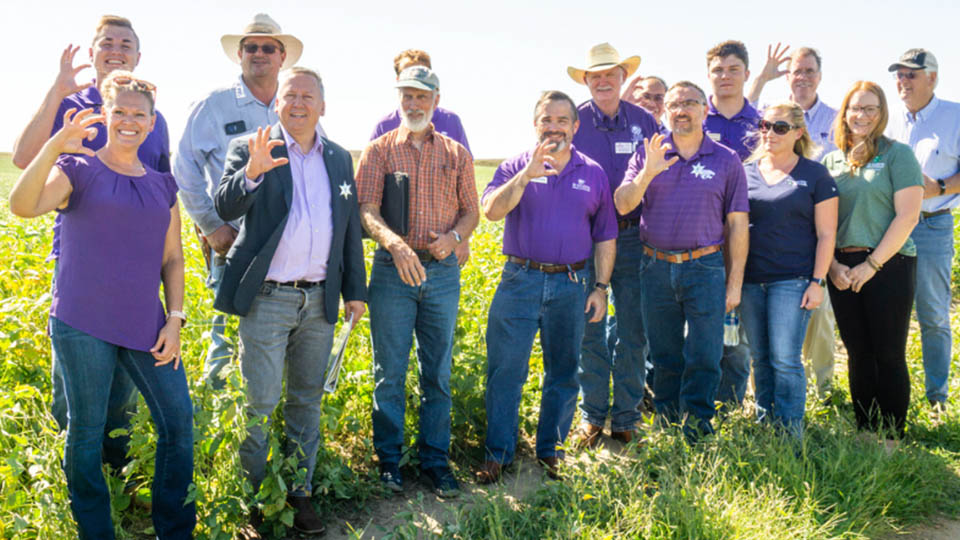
264,212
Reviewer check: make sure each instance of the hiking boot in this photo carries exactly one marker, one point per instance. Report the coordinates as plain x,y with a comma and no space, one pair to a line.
552,466
390,477
623,436
489,473
441,481
588,436
305,518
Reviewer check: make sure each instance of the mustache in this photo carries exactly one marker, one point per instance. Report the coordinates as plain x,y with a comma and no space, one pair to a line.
547,134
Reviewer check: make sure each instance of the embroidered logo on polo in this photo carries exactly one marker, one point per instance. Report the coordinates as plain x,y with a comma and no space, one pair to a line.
345,190
637,133
702,172
581,185
801,183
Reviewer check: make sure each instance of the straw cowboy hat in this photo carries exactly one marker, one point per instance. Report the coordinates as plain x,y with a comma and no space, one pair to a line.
601,57
263,26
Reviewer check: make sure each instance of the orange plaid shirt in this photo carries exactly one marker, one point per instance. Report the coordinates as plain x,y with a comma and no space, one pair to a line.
442,185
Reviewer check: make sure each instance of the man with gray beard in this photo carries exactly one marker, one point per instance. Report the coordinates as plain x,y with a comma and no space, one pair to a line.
415,281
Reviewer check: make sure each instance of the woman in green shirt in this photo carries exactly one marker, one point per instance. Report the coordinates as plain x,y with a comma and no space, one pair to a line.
873,274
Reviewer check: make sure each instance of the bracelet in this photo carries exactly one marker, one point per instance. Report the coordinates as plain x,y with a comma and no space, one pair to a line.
873,263
179,315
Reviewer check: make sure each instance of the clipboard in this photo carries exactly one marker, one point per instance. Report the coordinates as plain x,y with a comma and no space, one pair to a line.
395,203
335,363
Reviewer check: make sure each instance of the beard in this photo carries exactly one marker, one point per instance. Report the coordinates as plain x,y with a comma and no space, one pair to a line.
416,125
560,144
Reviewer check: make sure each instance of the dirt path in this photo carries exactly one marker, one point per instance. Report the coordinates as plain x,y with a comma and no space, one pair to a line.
938,529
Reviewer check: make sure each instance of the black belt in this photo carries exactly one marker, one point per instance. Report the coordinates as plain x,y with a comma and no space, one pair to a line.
928,215
627,223
548,268
298,284
424,255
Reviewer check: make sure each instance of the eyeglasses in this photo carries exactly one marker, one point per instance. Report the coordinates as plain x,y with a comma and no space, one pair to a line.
809,72
900,75
267,48
138,84
687,104
656,98
869,110
779,127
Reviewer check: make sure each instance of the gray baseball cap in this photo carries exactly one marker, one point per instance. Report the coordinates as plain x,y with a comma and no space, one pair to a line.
418,77
915,59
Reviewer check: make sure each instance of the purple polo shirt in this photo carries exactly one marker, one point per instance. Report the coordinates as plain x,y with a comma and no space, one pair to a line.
685,206
738,133
444,121
612,141
558,218
113,235
154,152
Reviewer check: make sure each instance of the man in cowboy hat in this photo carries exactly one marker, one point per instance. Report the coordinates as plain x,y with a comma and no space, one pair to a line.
262,50
610,131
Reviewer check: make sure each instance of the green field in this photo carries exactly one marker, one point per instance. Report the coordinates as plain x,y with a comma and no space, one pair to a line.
744,483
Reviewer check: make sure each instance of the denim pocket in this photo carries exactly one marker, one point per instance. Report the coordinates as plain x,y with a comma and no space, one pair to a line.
511,271
713,261
644,263
939,223
267,289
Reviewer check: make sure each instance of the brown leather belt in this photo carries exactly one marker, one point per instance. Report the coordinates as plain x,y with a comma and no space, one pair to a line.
627,223
928,215
853,249
548,268
678,257
298,284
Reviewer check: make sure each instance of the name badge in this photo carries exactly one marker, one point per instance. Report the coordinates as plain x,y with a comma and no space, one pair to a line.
539,180
624,147
714,136
875,166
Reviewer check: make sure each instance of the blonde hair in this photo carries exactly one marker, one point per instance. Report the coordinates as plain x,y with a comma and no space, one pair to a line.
860,154
111,88
804,146
115,20
416,56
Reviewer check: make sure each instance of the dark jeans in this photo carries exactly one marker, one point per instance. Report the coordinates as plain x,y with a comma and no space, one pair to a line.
873,325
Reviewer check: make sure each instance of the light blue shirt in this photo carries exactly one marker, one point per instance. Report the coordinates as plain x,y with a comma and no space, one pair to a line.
225,114
934,135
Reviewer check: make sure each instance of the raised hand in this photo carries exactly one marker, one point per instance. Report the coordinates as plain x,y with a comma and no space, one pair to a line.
261,160
76,128
66,82
541,157
655,150
775,59
628,93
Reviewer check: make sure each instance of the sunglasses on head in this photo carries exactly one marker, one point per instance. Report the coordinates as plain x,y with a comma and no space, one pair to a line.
268,48
138,84
779,127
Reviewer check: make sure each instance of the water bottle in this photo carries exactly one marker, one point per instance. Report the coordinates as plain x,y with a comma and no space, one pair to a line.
731,329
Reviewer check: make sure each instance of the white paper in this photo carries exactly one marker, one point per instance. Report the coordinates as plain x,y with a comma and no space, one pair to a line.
335,363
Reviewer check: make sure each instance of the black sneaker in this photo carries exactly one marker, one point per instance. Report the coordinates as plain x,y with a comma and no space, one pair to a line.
390,477
441,481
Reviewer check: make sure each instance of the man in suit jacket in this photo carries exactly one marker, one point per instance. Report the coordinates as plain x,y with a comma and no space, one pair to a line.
297,252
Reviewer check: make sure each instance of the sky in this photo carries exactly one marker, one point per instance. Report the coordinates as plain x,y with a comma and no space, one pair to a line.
493,57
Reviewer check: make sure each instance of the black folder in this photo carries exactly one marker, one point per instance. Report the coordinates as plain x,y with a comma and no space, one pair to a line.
395,204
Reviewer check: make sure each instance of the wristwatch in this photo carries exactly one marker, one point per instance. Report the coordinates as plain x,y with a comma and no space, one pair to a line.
602,286
456,235
943,186
818,281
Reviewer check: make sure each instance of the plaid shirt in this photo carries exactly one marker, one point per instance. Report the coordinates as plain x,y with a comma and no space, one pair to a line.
442,186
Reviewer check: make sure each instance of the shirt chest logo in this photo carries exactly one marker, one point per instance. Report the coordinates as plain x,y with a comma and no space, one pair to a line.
580,185
702,172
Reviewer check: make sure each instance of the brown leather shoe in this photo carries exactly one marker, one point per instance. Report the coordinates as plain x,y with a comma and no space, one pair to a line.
305,519
623,436
552,465
490,472
588,435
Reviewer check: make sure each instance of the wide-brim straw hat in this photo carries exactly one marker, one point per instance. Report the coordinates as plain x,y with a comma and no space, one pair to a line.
263,26
601,57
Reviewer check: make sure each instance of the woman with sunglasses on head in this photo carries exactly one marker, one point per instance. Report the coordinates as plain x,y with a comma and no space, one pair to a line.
120,240
872,276
793,223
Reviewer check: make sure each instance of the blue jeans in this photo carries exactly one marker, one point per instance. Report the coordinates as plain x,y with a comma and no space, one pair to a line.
397,312
776,325
285,331
686,369
934,239
616,346
526,301
219,352
88,365
735,371
120,409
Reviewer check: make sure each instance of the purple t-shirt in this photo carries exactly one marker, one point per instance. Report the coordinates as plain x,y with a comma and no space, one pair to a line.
612,141
154,152
783,232
444,121
112,239
685,206
558,218
738,133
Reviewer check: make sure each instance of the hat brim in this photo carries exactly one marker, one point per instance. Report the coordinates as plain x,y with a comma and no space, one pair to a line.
629,65
897,65
414,84
292,46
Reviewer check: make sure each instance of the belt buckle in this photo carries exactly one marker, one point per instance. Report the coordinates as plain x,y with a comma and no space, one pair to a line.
675,258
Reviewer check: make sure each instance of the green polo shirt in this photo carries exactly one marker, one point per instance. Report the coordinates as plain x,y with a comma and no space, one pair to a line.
866,195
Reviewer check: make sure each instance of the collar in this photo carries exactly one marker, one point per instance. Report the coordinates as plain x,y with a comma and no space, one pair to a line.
292,143
404,133
706,147
245,96
747,111
923,114
90,95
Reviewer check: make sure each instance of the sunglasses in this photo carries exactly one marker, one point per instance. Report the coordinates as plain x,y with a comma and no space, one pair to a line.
909,75
779,127
137,84
269,48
